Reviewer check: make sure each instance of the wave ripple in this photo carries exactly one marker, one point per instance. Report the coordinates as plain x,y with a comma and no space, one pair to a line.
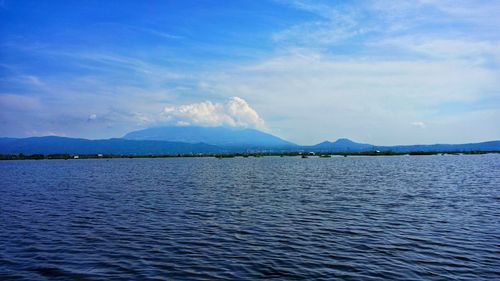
355,218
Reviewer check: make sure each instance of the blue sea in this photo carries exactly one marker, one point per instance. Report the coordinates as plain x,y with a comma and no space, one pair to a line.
281,218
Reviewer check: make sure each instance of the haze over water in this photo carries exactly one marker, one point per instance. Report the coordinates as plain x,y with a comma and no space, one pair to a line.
354,218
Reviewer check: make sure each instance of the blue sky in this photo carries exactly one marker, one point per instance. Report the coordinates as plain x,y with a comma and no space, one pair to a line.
382,72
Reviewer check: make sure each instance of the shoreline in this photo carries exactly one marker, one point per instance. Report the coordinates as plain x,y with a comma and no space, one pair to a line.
235,155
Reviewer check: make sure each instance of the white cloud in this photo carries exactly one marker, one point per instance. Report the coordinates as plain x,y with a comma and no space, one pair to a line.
367,99
18,102
419,124
337,23
444,48
478,11
235,112
402,61
39,133
29,80
333,24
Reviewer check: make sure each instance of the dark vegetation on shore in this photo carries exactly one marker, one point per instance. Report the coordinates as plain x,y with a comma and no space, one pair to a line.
230,155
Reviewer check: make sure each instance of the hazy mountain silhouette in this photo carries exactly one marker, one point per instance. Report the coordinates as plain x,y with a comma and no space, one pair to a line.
346,145
342,145
175,140
56,145
220,136
481,146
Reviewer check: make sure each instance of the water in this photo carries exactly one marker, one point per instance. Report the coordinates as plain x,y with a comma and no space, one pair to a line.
354,218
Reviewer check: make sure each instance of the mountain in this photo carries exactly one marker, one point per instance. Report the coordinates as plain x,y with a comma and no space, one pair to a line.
62,145
220,136
481,146
342,145
346,145
256,141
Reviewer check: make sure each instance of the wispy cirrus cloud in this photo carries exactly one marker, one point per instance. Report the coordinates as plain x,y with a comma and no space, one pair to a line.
18,102
331,97
333,24
475,51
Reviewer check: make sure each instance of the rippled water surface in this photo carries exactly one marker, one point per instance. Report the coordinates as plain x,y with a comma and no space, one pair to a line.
354,218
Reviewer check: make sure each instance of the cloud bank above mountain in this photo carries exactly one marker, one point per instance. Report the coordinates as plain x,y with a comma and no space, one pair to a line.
235,112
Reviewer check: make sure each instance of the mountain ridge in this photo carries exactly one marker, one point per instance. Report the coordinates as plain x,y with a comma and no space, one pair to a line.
342,144
220,136
347,145
210,140
57,145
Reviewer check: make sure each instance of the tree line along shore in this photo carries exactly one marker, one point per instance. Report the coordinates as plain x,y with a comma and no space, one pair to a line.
233,155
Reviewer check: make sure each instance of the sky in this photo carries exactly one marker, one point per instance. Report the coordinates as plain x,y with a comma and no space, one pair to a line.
379,72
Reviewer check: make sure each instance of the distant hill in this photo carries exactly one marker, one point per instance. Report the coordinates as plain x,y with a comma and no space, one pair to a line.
220,136
481,146
342,145
346,145
229,141
59,145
